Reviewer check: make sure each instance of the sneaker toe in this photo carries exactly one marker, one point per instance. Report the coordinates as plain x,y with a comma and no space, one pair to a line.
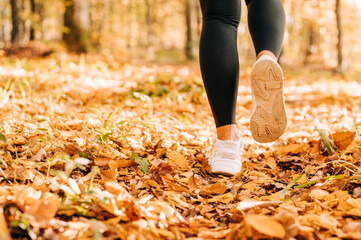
225,168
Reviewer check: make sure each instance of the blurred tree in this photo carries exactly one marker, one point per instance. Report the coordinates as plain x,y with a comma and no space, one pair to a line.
18,32
77,35
339,68
37,17
191,30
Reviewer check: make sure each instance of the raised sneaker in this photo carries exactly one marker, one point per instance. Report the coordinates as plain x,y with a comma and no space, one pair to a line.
269,119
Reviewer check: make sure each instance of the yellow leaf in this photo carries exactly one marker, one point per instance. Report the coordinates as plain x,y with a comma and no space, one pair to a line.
266,225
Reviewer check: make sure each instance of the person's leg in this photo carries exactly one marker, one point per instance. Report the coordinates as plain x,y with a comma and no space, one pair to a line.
266,21
218,57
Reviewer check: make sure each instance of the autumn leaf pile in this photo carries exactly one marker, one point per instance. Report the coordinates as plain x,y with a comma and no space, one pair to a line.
94,149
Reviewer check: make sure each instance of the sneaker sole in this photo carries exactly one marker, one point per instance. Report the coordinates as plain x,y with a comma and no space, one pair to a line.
269,120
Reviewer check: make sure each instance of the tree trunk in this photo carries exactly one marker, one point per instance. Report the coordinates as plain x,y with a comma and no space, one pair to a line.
191,30
33,12
18,31
77,22
340,66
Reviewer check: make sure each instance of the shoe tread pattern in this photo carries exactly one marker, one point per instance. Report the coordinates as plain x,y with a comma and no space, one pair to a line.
269,120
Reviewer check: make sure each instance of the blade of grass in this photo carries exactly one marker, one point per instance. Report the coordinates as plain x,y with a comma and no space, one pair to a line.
92,177
290,185
2,138
326,141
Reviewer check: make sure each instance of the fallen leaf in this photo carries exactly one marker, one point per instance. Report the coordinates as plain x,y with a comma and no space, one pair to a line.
38,156
266,225
177,159
225,198
44,209
343,139
214,234
323,220
318,194
217,188
4,231
291,149
101,162
108,174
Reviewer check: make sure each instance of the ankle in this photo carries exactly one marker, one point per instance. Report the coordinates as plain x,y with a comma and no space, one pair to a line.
228,132
268,53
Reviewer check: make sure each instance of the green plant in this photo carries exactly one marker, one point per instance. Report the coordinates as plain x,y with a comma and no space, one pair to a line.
142,162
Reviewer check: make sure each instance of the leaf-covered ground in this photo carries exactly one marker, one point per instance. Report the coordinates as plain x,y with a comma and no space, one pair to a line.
93,149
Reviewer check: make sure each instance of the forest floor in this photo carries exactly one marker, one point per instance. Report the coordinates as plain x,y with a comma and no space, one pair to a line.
90,149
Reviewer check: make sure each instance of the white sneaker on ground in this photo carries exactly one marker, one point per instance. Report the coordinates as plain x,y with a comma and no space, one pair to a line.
226,158
269,119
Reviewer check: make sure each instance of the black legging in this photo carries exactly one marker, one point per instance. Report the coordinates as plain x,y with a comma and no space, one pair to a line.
218,53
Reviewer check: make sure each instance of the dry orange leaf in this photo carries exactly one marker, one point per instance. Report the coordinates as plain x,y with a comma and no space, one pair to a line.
266,225
217,188
165,233
214,234
117,190
291,149
44,209
193,182
4,231
177,187
38,156
225,198
125,163
150,183
101,161
343,139
109,174
178,159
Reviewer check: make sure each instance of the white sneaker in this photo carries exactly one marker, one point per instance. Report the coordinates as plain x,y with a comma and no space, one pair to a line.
226,158
269,119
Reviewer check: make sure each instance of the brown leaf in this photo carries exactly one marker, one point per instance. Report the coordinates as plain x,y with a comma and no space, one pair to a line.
108,174
323,220
177,159
217,188
4,231
118,191
194,182
291,149
214,234
266,225
125,163
101,162
44,209
38,156
225,198
177,187
150,183
343,139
